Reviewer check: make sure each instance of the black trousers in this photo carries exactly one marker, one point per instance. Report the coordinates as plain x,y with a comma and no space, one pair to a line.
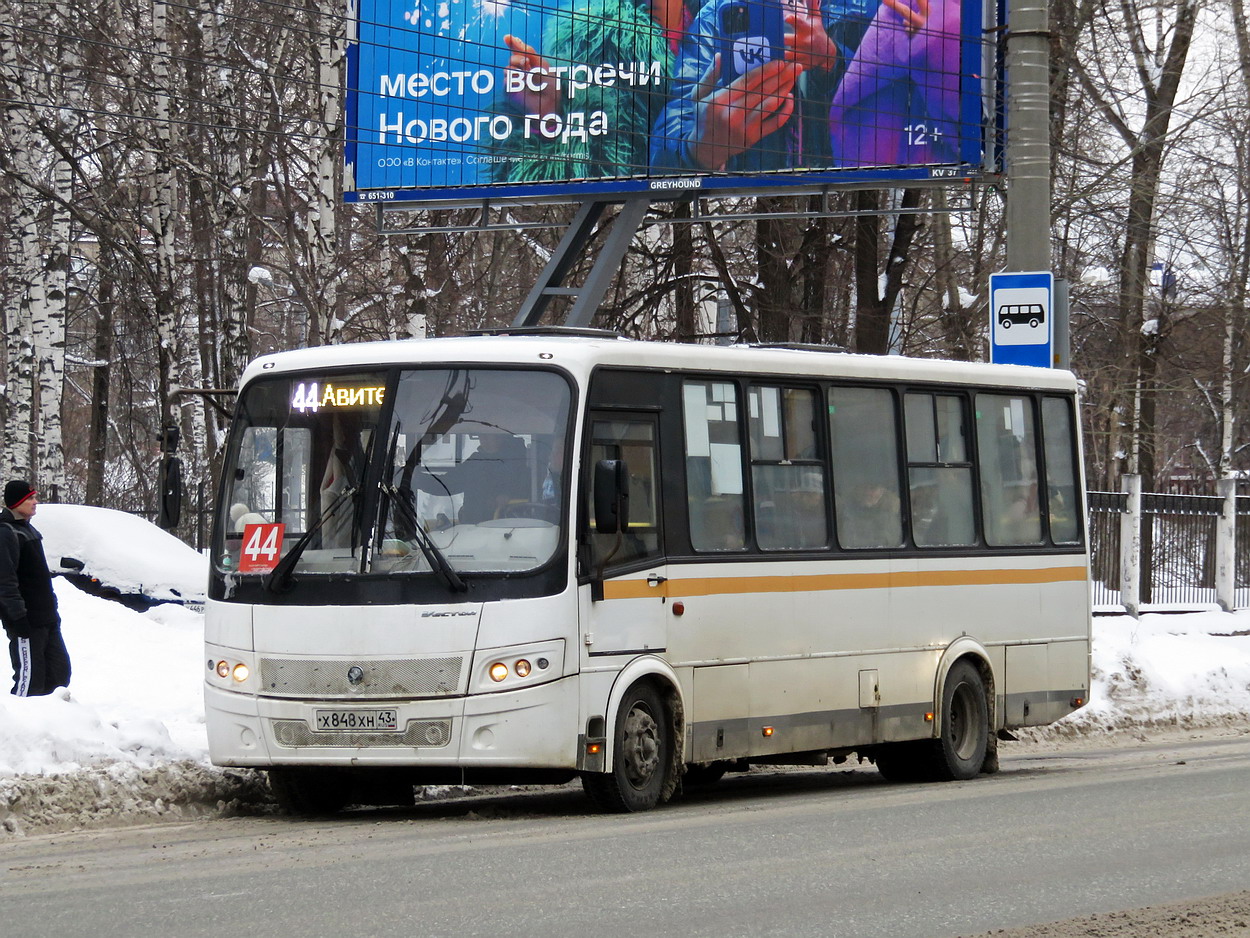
40,663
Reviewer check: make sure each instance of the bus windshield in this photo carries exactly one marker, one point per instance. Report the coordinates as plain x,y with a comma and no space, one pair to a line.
465,477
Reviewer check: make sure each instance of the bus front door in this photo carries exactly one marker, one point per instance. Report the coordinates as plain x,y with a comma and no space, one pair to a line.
623,609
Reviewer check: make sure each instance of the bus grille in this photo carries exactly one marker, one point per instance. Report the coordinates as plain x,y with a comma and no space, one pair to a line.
406,677
423,734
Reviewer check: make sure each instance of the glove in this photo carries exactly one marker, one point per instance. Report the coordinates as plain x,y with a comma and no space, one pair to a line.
20,628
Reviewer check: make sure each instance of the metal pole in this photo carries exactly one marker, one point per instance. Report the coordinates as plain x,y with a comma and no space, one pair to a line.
1028,135
608,263
570,248
1061,314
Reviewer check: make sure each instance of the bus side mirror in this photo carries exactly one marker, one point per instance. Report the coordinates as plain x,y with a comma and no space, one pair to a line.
611,496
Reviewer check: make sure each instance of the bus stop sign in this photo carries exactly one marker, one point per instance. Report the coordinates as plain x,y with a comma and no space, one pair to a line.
1022,328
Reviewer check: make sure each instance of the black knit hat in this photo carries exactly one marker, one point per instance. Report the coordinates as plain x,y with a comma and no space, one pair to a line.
17,492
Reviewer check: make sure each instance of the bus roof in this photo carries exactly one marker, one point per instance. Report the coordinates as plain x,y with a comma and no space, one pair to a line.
580,354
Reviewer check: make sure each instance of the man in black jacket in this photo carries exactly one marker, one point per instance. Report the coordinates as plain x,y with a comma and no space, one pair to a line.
27,600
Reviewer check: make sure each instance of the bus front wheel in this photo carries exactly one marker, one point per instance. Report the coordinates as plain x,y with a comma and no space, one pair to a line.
642,755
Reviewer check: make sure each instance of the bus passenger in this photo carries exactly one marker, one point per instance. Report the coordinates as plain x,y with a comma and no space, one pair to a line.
872,518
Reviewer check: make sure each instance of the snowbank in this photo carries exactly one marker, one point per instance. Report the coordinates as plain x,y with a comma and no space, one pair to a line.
1190,669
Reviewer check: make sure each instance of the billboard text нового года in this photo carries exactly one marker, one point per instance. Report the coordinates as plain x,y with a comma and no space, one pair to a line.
451,98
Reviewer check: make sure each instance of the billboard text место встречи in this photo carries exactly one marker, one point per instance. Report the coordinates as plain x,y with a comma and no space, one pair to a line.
577,99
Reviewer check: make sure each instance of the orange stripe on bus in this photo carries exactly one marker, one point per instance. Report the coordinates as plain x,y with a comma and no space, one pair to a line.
712,586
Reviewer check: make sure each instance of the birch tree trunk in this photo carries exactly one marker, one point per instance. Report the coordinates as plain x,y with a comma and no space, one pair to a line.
22,86
164,216
48,325
323,254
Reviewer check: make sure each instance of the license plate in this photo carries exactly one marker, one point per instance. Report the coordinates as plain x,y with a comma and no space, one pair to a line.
355,721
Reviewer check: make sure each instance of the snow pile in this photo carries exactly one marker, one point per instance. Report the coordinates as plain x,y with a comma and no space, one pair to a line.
127,740
135,694
1182,670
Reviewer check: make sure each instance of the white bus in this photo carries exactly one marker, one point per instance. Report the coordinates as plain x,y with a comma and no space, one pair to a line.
533,557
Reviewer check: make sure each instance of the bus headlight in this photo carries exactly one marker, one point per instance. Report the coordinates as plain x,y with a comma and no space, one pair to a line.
229,669
506,669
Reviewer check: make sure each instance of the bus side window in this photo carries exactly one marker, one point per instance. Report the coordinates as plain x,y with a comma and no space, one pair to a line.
714,489
1062,500
939,475
787,479
633,442
1007,450
866,490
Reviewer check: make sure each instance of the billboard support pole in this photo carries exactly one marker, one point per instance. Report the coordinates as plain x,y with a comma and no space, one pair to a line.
589,295
1028,136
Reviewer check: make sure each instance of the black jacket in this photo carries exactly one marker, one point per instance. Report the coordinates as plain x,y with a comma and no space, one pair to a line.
27,601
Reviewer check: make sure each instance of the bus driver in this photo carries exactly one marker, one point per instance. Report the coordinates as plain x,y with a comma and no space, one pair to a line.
495,475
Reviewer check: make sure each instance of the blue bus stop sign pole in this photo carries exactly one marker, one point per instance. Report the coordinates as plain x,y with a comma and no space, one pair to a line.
1022,322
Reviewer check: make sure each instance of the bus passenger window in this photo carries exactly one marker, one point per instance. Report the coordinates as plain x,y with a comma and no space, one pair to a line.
787,481
939,474
714,484
1061,494
1007,449
866,490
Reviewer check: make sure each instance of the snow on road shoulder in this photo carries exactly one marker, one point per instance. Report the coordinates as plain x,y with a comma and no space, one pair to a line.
135,694
1190,669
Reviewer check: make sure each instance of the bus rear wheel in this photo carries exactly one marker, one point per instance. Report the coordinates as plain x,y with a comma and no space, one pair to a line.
310,791
642,755
959,751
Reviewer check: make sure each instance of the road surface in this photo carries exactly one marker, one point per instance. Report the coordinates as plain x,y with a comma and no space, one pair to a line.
821,852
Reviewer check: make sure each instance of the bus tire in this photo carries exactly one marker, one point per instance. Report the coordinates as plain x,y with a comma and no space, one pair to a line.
309,791
958,753
642,755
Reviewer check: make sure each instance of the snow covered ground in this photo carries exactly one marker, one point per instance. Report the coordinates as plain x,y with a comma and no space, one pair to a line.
127,740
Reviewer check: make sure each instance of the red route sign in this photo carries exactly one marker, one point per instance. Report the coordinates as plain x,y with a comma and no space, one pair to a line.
262,547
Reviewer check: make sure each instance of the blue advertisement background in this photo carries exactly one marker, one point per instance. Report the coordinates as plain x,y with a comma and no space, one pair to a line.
418,68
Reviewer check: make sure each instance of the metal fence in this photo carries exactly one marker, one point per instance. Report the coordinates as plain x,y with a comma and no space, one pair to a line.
1178,553
1105,509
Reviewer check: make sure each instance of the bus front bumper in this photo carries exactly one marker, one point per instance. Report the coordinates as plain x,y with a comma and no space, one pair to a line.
533,728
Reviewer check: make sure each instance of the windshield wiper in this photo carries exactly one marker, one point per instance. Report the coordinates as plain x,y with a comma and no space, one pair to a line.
433,554
401,496
279,578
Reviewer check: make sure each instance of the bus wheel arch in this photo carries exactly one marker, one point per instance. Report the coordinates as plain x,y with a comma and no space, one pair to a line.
645,746
972,651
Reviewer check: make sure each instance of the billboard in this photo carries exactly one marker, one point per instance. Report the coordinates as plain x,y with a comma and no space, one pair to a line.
578,99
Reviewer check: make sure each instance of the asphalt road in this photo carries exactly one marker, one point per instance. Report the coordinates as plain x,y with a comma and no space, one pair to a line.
821,852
